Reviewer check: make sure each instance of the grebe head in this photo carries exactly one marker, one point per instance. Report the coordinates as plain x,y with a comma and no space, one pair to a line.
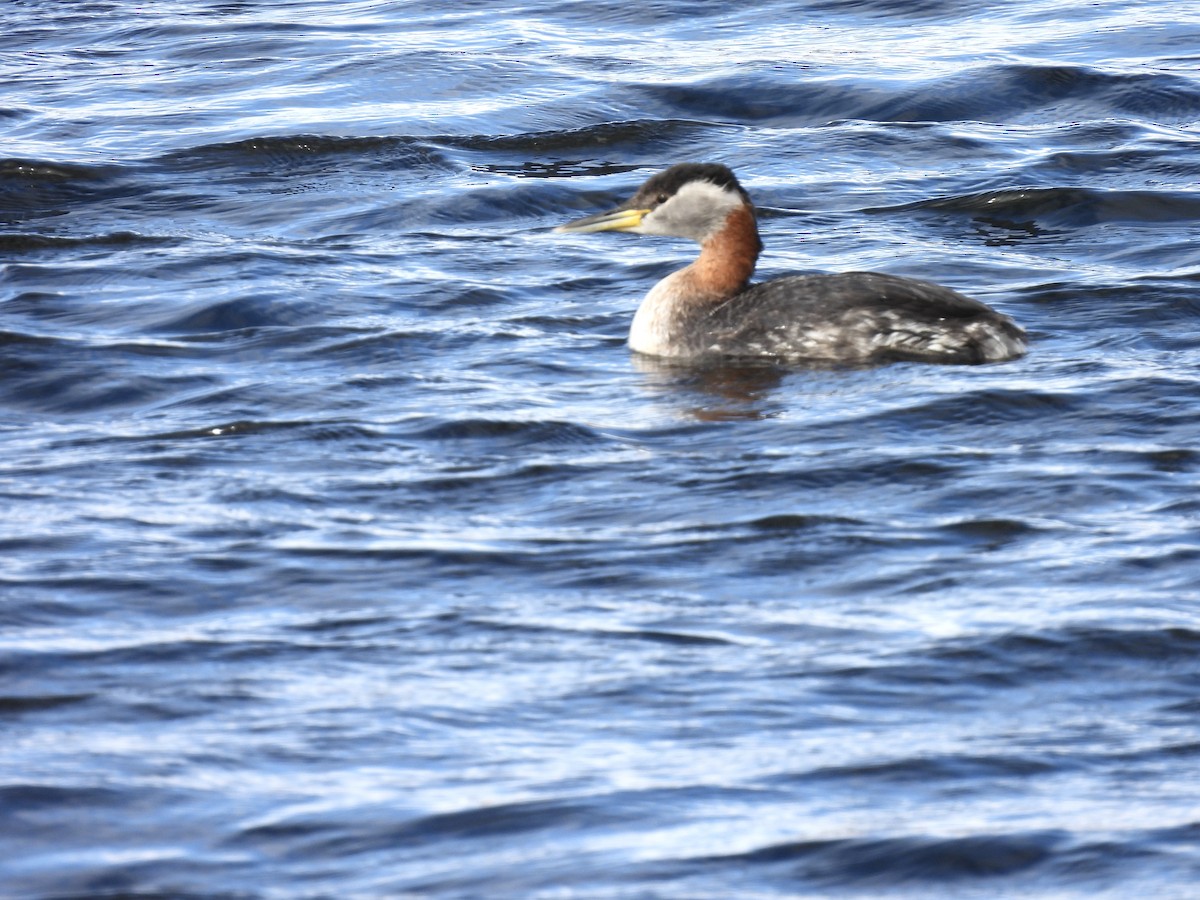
690,200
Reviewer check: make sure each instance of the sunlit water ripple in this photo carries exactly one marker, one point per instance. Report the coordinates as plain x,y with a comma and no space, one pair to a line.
351,553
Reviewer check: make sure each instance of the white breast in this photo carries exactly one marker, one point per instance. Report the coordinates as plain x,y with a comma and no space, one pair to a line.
657,318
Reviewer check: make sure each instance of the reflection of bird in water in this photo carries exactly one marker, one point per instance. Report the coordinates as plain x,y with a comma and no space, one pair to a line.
716,390
709,309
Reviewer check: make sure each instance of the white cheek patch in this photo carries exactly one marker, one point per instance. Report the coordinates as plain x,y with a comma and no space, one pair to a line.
697,211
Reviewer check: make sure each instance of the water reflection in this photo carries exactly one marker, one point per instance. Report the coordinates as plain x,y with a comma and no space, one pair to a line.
715,391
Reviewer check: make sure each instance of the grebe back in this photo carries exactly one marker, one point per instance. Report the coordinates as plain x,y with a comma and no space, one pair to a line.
710,309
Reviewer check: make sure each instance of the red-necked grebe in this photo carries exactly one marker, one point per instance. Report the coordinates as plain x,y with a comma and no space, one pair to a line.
710,309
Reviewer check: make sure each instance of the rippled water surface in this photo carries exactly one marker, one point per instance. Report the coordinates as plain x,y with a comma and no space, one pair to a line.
349,552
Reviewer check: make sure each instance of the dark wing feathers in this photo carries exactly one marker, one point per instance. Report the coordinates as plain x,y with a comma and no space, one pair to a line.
859,315
830,295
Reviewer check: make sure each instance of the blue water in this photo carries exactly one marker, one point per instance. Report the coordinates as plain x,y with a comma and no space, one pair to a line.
349,552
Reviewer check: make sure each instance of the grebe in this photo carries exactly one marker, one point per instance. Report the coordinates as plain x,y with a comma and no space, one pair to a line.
710,309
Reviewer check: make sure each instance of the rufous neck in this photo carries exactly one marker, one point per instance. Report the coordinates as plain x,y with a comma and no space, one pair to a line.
727,258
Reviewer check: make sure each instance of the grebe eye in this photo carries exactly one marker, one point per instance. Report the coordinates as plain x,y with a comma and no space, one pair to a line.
660,199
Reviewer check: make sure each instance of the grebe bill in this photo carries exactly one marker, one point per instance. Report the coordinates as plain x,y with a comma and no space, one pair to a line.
710,309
